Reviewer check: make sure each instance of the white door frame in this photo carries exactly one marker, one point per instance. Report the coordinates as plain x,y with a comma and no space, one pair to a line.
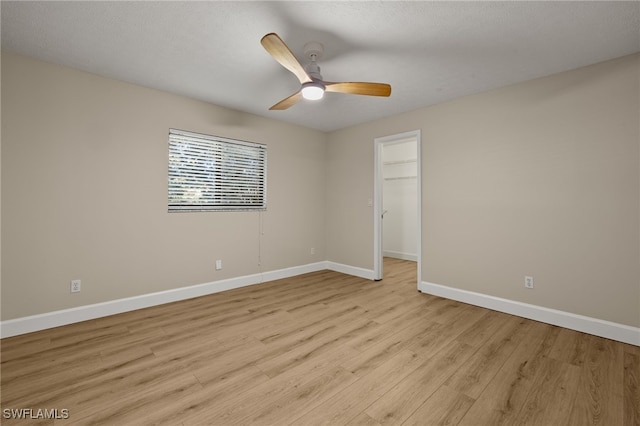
377,200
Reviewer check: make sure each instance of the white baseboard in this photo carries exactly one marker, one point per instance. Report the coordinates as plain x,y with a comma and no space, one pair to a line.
351,270
610,330
33,323
400,255
607,329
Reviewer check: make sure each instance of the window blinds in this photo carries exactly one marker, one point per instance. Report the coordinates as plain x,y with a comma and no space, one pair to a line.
210,173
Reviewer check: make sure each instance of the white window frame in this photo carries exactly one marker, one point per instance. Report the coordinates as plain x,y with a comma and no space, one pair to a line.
212,173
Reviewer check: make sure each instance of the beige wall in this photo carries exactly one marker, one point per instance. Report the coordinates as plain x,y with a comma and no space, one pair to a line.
84,192
540,178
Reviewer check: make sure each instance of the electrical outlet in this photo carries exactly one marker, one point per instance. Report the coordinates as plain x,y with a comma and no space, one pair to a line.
313,250
528,282
75,286
218,265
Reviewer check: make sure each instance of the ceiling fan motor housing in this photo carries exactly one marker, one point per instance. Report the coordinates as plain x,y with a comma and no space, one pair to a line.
313,70
313,51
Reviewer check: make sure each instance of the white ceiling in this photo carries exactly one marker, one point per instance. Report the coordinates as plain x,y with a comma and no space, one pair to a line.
429,52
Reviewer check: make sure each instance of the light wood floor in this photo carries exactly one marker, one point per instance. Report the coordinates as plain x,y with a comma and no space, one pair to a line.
323,348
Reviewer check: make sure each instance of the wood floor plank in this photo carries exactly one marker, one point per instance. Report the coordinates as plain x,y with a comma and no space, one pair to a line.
312,296
298,401
237,407
472,378
399,403
447,311
38,386
352,401
389,311
365,298
448,326
635,350
363,419
444,407
552,394
17,347
300,319
366,361
298,331
479,331
230,360
599,399
570,346
631,398
73,391
128,406
379,332
506,394
197,404
320,345
256,323
63,350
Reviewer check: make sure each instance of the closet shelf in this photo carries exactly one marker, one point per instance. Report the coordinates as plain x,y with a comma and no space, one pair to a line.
410,160
400,177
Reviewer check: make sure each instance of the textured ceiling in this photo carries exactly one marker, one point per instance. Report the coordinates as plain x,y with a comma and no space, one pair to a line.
429,52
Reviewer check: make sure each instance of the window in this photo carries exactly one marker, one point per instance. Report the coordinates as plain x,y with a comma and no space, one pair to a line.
210,173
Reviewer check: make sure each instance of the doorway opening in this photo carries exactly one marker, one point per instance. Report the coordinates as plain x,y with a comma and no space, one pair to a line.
397,201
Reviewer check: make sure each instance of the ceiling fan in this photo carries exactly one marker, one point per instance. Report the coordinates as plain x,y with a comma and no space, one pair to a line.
312,85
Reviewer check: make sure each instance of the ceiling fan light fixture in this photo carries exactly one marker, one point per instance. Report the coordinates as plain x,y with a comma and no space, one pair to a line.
313,90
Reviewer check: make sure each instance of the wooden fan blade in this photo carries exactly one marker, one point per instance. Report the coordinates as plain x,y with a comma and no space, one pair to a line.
287,102
353,88
281,53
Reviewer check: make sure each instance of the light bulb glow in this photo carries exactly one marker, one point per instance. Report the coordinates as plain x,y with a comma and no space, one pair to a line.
312,91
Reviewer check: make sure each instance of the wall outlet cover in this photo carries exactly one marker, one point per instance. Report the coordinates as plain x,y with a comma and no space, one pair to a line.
528,282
